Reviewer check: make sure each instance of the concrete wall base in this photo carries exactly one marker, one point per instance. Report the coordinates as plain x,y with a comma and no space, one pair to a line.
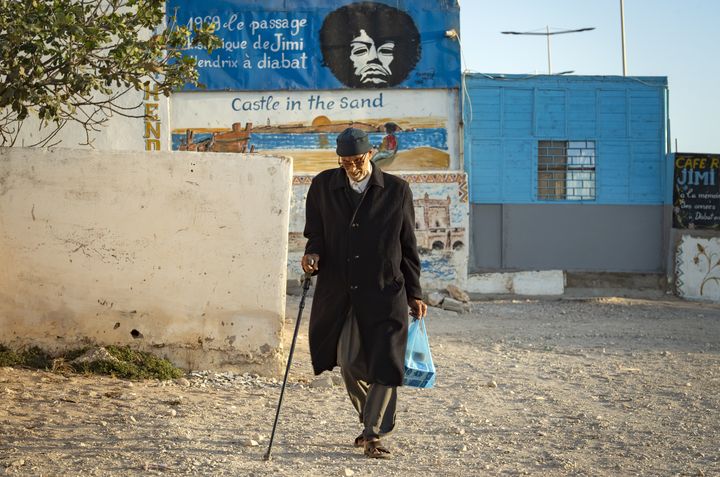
546,282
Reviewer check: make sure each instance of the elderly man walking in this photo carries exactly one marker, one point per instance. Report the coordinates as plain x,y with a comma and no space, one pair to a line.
361,244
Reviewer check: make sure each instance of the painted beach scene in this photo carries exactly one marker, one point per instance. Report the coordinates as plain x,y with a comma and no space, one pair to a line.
407,143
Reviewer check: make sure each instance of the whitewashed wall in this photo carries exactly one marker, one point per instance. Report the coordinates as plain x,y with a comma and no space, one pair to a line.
697,268
120,133
183,254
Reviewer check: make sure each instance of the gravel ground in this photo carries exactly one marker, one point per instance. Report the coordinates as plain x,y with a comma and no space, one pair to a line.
602,386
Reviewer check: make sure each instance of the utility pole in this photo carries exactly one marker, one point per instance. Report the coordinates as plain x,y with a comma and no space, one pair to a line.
622,29
547,33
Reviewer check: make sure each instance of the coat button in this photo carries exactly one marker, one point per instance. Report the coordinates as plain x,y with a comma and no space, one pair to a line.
355,225
353,287
357,257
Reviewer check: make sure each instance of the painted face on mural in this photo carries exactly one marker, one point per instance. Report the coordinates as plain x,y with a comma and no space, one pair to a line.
371,62
370,45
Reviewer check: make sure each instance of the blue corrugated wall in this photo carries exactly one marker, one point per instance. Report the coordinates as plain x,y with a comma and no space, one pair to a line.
508,114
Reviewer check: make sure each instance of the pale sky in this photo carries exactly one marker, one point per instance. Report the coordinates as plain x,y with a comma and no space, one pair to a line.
673,38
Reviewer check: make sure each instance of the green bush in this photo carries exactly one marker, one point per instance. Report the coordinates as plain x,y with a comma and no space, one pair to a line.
131,364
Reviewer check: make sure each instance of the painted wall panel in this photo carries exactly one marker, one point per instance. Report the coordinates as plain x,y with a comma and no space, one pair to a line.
304,124
624,117
697,268
298,44
582,237
443,245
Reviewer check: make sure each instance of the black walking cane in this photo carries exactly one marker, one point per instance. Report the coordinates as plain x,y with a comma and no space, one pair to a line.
306,286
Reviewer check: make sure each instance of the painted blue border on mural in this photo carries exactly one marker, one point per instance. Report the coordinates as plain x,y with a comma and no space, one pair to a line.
255,58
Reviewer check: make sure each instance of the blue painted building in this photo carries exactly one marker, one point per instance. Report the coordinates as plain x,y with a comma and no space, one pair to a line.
567,172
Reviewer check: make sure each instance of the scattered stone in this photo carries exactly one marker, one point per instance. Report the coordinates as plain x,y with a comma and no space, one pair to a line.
457,293
17,463
337,380
435,299
94,355
251,443
132,418
182,382
172,412
491,384
322,382
453,305
349,472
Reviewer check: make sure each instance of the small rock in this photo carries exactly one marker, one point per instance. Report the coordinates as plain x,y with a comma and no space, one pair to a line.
252,443
322,382
94,355
349,472
453,305
337,380
132,418
172,412
182,382
17,463
457,293
435,299
491,384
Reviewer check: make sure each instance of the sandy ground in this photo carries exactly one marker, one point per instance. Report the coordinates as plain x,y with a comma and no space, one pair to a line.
602,386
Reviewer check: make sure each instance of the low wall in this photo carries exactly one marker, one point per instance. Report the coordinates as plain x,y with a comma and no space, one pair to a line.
697,267
181,254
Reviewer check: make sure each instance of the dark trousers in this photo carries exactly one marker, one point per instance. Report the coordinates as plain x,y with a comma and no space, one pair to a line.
374,403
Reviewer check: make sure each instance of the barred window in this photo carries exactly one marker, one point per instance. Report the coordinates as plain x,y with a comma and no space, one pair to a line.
566,170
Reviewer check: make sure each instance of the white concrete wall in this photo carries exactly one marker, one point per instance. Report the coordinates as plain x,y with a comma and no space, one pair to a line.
189,249
697,268
119,133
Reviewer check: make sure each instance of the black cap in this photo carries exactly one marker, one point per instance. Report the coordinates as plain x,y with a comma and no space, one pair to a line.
352,142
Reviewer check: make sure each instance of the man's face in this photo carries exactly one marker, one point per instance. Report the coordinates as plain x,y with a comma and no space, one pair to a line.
371,61
356,167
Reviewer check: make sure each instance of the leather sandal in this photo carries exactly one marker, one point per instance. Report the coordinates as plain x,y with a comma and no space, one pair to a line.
375,450
360,441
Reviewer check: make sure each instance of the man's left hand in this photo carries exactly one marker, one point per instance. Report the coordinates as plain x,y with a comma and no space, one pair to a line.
418,308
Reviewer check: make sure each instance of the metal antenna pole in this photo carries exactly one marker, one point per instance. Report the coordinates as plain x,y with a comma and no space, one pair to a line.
547,30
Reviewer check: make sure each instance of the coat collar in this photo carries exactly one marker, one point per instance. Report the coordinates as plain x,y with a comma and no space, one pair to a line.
339,178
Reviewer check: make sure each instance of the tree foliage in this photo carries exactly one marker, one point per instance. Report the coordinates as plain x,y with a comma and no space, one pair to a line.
72,60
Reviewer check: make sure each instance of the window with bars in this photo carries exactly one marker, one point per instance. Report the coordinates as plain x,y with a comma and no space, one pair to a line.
566,170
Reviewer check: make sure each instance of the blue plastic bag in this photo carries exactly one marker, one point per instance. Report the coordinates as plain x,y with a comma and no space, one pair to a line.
419,367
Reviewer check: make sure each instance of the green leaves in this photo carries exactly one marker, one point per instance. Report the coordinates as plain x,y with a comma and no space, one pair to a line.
60,57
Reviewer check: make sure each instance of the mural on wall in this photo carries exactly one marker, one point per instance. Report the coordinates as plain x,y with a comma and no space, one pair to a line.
697,268
369,45
696,191
441,211
409,129
325,44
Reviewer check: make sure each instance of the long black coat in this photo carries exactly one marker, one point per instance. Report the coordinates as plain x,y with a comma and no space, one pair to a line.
368,260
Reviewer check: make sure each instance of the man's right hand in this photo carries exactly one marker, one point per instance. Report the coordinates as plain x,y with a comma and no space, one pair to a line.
310,263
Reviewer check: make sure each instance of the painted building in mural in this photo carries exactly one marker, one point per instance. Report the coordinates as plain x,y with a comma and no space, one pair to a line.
568,173
292,74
